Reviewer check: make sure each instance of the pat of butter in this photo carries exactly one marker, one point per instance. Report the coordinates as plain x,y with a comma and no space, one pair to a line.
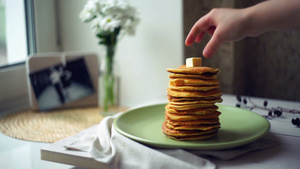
193,62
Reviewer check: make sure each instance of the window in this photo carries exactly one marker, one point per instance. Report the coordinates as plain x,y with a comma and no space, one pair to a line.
15,26
3,59
30,27
12,32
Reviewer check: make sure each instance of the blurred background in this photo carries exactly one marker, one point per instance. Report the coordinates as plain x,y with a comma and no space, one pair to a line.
266,66
2,33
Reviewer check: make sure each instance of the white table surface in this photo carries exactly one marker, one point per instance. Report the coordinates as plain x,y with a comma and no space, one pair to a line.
16,153
21,154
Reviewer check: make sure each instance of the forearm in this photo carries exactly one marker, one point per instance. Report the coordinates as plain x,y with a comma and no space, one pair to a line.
273,15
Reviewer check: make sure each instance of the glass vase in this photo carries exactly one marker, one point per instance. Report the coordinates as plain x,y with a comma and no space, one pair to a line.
109,83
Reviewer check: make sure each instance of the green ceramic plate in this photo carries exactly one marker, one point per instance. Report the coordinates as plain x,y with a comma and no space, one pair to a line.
238,127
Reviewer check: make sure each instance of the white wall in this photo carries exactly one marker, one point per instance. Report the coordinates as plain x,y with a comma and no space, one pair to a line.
45,26
142,60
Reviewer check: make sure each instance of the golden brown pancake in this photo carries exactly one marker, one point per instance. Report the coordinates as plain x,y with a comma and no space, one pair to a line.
193,70
190,107
178,99
171,98
212,101
193,82
194,122
193,88
179,133
194,138
203,127
190,76
190,117
199,111
187,134
212,93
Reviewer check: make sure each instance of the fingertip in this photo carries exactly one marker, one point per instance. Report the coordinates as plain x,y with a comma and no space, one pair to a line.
212,46
207,53
188,41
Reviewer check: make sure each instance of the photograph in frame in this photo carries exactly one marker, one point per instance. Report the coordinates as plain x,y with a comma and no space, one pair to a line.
60,84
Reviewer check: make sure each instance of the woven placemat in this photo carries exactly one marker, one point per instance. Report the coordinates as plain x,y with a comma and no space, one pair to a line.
49,126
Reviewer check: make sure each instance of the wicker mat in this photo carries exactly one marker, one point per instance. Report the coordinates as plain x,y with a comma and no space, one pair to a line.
49,126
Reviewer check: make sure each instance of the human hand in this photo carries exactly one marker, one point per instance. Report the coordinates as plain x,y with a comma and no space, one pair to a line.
223,24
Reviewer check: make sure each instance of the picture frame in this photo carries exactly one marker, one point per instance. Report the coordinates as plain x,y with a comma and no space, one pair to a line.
62,80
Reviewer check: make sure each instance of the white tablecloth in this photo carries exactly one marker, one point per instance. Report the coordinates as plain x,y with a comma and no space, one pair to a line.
107,146
278,149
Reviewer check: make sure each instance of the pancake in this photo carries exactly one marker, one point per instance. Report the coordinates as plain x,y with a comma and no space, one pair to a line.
194,70
187,134
178,99
190,117
189,107
190,76
212,93
194,122
199,111
195,138
193,88
212,101
202,127
182,133
193,82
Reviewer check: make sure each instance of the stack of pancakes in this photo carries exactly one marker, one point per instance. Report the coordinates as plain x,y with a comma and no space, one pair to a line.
191,113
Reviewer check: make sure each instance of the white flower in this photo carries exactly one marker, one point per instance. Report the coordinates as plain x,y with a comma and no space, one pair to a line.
92,6
96,26
108,15
85,15
89,11
109,24
130,26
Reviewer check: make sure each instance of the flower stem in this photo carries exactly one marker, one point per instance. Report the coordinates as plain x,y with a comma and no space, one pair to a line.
109,99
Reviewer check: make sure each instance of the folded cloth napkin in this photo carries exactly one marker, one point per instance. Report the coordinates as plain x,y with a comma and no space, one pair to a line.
108,146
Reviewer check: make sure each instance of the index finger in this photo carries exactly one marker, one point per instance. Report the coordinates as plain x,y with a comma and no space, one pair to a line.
199,28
